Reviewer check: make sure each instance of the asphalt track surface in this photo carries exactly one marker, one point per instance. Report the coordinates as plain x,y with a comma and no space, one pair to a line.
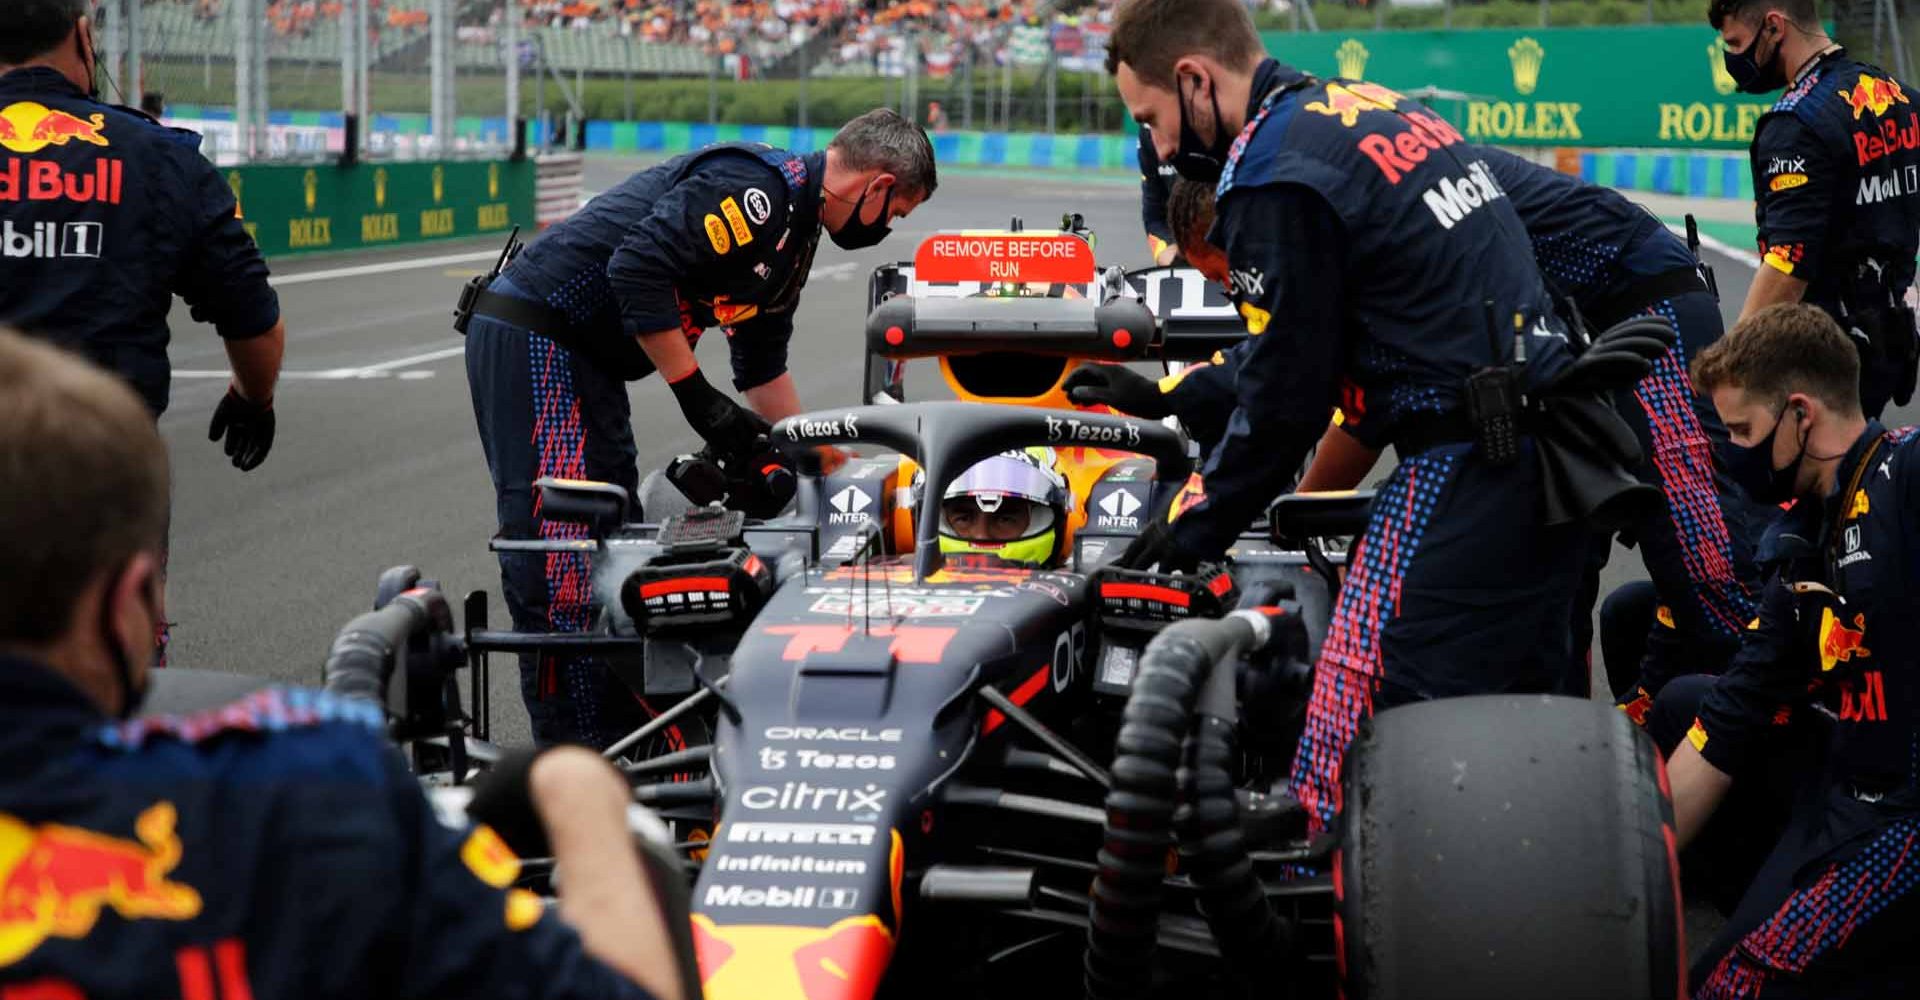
377,461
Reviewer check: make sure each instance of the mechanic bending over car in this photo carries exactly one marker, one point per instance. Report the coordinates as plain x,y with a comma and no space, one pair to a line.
277,847
1389,299
1611,260
133,214
1835,910
721,237
1834,195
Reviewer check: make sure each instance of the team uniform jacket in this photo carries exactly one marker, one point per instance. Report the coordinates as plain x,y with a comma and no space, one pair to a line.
1375,235
274,848
104,215
1858,652
1591,243
1836,179
721,237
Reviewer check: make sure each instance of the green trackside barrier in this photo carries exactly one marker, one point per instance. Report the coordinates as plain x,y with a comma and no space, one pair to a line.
302,209
1654,85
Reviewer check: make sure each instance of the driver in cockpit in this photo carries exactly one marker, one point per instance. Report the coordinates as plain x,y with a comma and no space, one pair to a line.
1012,506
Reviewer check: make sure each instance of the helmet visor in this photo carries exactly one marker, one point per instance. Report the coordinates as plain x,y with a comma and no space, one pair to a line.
993,517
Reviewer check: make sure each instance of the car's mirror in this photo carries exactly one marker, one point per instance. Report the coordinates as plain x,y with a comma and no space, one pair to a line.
601,507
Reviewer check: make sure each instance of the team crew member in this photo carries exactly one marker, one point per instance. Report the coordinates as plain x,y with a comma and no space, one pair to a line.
1385,289
1156,183
105,215
1612,260
275,848
721,237
1834,179
1835,910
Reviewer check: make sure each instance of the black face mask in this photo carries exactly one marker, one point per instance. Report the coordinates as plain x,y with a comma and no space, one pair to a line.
133,693
1753,468
1749,76
854,234
1196,160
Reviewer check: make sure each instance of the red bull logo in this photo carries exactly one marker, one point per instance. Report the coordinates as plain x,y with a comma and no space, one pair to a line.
1397,154
1346,101
1872,93
1190,496
27,127
49,180
1840,644
55,880
755,962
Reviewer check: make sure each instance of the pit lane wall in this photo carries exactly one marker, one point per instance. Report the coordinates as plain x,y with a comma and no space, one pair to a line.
305,209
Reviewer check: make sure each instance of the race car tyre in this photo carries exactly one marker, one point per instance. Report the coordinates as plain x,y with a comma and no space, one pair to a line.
1505,846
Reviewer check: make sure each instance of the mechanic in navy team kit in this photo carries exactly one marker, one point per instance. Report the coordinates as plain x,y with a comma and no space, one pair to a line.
105,215
1156,183
1835,910
1401,275
1612,260
721,237
1836,181
274,848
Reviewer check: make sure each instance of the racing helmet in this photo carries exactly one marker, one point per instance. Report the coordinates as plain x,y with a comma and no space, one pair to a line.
1012,506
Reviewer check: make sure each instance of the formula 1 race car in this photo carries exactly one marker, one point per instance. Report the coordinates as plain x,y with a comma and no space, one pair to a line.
949,775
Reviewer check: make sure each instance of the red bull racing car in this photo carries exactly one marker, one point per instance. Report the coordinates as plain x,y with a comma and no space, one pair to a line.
943,774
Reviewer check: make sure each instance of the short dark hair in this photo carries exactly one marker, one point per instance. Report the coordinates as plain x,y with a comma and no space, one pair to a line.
31,28
1151,35
86,483
883,139
1783,349
1804,13
1190,213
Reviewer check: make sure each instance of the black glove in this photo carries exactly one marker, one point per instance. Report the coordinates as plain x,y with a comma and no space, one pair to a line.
726,425
1154,546
1118,387
247,426
503,800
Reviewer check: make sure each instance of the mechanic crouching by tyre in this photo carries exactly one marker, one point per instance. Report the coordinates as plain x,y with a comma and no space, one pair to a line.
277,847
1835,164
721,237
1835,910
1353,263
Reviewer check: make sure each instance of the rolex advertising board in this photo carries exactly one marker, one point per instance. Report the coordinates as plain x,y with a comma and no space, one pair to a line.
1655,85
300,209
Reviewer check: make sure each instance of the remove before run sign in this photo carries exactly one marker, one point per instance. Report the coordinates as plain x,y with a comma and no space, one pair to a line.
1049,258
